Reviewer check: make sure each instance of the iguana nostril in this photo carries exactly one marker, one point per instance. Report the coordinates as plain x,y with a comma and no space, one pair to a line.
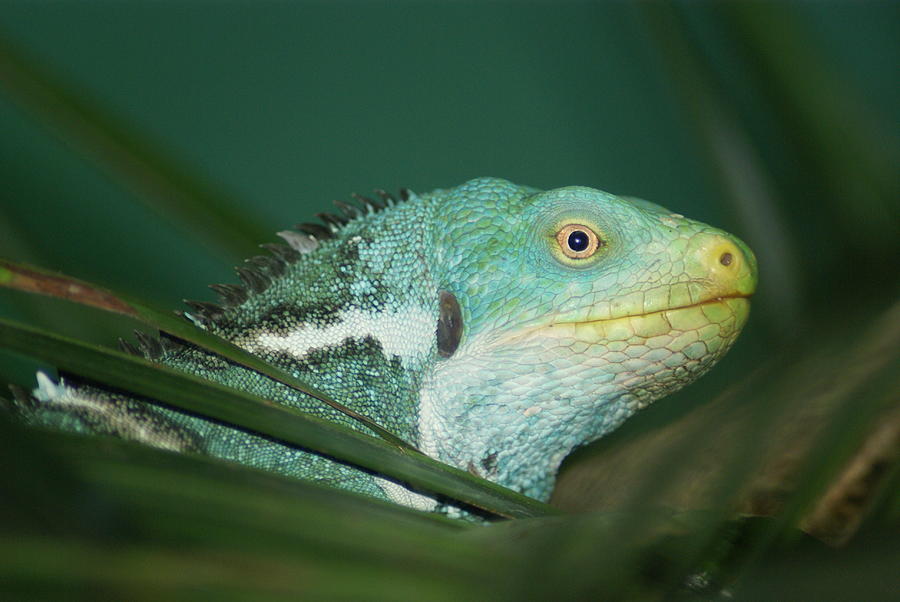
726,258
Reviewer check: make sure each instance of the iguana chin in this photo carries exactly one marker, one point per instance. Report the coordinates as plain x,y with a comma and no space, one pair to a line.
494,326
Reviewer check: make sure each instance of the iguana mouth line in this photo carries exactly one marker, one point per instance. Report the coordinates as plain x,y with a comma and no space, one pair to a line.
552,325
712,301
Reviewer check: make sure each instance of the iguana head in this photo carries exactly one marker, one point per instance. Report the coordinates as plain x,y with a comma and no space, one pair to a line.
576,308
495,326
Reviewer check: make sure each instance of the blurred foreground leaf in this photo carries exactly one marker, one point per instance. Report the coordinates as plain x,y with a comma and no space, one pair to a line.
136,521
243,410
838,134
811,436
150,173
662,523
31,279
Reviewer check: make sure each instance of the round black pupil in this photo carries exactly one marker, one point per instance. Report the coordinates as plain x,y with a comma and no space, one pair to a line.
578,241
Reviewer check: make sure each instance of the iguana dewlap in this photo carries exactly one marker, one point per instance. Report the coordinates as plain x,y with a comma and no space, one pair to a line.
494,326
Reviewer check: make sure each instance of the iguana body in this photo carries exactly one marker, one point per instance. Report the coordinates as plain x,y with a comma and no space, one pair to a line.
494,326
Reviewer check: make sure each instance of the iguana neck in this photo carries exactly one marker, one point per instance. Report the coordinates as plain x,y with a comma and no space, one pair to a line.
355,317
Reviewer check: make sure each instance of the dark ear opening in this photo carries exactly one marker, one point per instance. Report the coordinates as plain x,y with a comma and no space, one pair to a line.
449,326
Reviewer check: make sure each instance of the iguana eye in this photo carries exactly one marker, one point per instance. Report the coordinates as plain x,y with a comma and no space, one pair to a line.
577,241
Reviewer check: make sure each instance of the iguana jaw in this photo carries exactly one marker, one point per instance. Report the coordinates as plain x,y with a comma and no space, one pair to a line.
716,317
712,319
725,301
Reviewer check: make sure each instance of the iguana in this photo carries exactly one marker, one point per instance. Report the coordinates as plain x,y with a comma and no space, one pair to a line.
494,326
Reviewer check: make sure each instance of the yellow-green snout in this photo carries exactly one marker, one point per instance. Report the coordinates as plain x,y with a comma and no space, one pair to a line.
697,311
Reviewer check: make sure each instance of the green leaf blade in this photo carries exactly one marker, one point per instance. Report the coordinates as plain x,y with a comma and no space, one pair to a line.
249,412
31,279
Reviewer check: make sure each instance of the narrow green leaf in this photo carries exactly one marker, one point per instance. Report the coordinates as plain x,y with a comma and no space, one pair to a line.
52,569
141,476
247,411
851,144
155,501
32,279
733,160
156,179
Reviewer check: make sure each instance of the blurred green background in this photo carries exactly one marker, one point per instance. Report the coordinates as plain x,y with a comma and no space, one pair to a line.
149,146
776,121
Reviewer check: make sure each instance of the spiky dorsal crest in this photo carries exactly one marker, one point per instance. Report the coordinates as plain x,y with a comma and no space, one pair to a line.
257,273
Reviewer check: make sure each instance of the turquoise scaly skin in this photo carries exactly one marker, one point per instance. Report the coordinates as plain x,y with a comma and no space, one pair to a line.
553,347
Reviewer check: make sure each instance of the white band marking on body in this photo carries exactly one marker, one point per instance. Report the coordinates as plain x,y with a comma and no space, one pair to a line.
408,332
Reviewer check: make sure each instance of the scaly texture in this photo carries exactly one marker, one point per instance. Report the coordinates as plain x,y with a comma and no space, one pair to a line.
494,326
